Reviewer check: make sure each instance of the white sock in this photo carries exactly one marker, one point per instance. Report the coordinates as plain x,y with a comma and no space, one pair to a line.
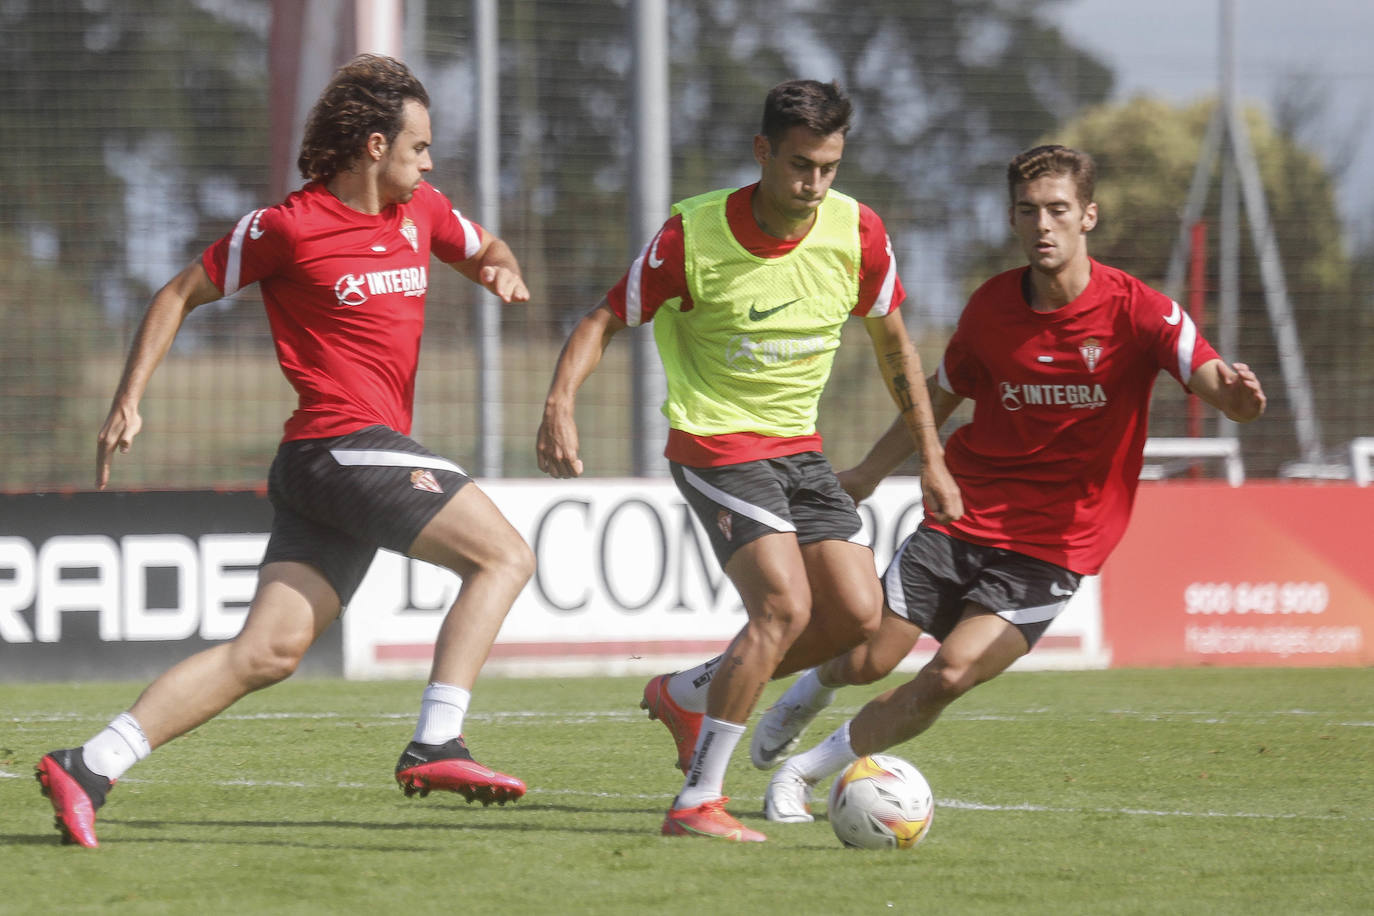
688,688
809,692
706,777
121,745
442,708
829,757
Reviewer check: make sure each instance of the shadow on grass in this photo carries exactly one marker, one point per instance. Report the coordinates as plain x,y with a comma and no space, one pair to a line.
31,839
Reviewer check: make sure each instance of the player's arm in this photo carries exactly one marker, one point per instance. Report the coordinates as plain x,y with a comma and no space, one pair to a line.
900,366
494,267
168,309
556,445
894,447
1234,390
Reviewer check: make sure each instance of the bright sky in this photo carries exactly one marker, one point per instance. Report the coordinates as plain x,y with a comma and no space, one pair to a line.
1170,49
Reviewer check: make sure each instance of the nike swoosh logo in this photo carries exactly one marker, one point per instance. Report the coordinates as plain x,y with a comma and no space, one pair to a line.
1175,316
1055,590
757,314
655,262
768,753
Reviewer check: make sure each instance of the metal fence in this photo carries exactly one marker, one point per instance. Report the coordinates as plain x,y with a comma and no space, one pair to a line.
138,132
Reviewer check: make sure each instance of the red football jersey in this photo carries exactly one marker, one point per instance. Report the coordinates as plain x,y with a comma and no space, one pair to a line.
345,297
659,274
1049,465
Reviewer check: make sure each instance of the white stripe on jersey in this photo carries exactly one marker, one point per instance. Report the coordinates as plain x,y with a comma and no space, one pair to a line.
942,377
634,287
736,505
472,238
233,268
372,457
1187,340
883,304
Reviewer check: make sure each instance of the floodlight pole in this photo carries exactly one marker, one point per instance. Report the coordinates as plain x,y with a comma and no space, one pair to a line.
1228,137
650,169
489,431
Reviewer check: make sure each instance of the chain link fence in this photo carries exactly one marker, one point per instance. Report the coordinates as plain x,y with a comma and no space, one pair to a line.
138,132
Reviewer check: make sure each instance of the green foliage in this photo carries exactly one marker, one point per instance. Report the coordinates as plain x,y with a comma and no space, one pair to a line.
1168,791
51,325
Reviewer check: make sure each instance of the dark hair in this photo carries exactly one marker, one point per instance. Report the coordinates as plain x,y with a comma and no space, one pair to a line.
820,107
1054,160
366,96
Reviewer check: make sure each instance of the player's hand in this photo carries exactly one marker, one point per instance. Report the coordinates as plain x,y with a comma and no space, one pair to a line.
1241,392
508,285
119,430
940,494
556,447
858,485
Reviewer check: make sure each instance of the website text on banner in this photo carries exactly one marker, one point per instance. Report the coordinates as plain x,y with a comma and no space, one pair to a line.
1265,574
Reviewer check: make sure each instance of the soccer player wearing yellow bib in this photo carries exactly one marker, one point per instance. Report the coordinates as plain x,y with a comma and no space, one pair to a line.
748,290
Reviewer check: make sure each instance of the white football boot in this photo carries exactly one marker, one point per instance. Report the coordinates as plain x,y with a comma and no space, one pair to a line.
788,799
778,732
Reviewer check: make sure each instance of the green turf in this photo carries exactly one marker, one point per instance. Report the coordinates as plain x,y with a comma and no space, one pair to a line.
1184,791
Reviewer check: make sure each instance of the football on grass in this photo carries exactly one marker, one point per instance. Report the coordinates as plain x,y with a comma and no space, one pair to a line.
881,802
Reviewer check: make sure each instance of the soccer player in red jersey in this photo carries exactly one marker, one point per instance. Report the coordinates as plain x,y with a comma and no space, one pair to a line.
343,268
1059,358
748,290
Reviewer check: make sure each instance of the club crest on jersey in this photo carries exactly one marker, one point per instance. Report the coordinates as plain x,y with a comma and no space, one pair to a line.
1091,351
725,522
421,479
410,233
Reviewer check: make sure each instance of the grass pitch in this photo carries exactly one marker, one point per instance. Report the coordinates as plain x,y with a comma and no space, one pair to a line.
1178,791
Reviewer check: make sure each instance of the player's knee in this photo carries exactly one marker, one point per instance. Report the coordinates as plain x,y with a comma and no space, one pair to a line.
862,616
264,664
869,623
786,615
868,667
946,681
514,562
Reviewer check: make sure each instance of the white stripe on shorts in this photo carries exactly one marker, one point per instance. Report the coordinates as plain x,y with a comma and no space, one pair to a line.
738,506
892,582
1025,615
371,457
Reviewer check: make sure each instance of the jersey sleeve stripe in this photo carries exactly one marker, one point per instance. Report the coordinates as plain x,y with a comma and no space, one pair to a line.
883,304
735,504
233,267
1187,341
472,238
634,290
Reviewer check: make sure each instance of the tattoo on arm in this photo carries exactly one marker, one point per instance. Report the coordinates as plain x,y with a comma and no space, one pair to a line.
902,389
901,386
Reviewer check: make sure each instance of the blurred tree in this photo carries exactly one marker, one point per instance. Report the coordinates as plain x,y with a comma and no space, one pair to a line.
51,325
129,124
1146,151
944,91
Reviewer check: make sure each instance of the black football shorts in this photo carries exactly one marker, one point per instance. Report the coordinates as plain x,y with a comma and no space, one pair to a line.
933,576
739,503
337,500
